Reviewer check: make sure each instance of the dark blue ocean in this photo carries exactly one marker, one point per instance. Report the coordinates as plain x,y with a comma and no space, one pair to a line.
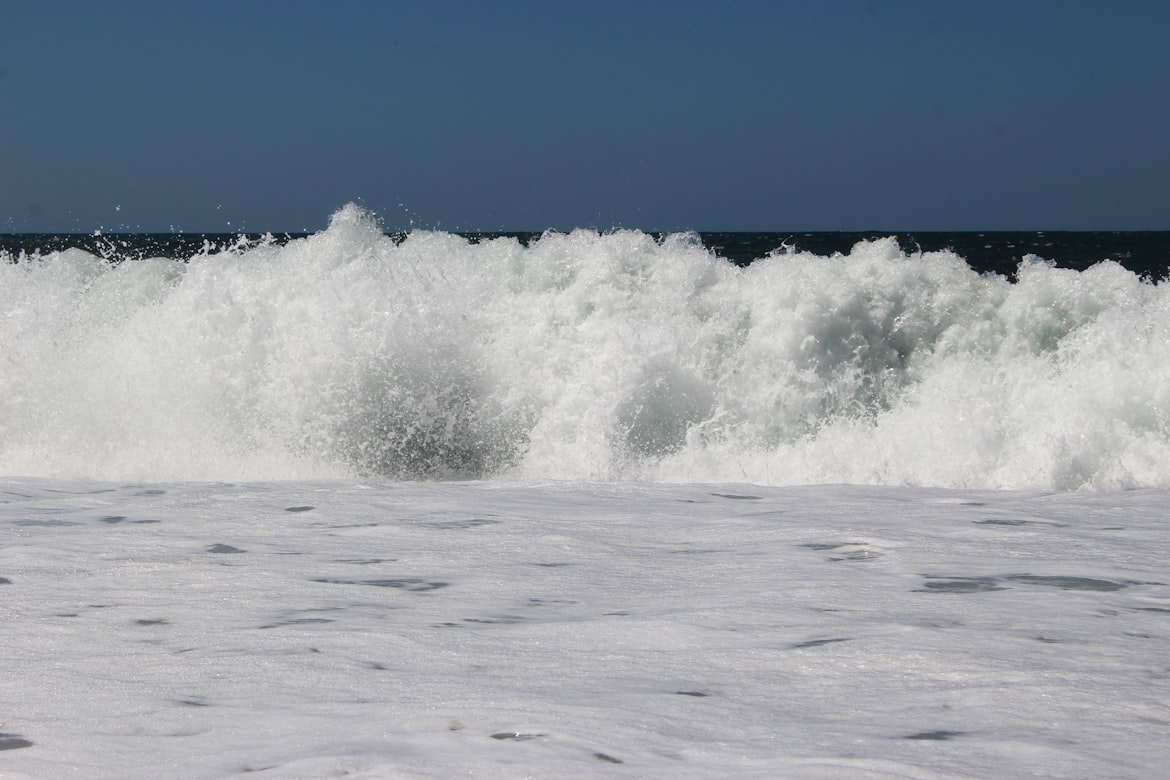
1146,253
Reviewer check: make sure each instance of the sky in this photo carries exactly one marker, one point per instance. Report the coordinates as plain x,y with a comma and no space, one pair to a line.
508,115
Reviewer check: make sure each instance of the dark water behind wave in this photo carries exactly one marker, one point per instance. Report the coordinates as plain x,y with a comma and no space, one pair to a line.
1146,253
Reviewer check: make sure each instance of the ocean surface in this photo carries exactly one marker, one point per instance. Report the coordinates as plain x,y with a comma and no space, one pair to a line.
582,505
1146,253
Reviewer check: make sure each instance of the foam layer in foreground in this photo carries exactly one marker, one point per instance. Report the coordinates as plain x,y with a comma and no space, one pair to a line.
311,630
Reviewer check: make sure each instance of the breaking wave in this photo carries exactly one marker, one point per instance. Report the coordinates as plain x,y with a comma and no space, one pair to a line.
586,356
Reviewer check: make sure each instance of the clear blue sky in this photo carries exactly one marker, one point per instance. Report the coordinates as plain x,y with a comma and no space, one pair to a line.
489,115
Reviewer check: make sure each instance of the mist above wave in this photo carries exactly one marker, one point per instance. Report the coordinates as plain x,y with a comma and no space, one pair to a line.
581,356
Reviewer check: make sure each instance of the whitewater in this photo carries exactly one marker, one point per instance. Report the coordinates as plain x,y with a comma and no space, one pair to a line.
598,505
582,356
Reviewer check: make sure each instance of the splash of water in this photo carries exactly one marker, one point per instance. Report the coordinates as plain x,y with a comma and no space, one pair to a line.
581,356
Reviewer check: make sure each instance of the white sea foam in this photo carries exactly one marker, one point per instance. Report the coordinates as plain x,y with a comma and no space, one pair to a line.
435,630
582,356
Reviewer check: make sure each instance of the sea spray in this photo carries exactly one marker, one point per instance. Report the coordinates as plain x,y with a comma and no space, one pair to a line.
580,356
